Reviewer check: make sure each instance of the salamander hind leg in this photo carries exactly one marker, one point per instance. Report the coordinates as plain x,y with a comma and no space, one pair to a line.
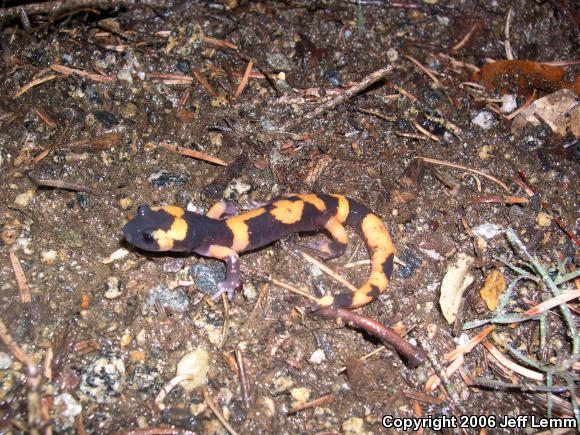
329,250
222,209
232,260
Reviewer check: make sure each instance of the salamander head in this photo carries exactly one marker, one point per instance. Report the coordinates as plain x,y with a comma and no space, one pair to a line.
159,229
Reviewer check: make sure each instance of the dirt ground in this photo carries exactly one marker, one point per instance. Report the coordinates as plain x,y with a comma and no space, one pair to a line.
92,95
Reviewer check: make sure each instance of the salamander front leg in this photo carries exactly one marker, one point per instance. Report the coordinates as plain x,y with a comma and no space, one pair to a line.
222,209
232,260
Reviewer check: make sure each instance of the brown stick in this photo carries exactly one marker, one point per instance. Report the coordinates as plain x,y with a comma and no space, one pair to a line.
349,93
414,356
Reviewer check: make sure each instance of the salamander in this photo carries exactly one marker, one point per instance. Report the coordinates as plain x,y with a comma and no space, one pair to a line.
223,234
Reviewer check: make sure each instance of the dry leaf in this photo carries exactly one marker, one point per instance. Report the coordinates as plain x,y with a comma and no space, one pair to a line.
493,289
455,281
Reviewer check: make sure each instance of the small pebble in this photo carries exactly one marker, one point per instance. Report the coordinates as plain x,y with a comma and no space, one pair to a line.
5,361
353,426
165,178
113,288
104,378
484,120
317,356
509,103
300,395
543,219
24,198
196,365
176,300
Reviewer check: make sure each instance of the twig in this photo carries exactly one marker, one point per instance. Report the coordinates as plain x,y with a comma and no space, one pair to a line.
465,168
244,80
192,153
34,83
204,83
508,46
351,92
313,403
59,184
506,362
32,382
426,70
25,296
327,270
243,379
569,233
215,410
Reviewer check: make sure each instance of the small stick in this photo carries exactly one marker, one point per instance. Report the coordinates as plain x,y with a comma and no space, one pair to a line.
426,132
498,385
243,379
32,382
59,184
244,81
226,321
464,40
173,382
328,271
365,357
219,42
426,70
414,355
217,413
553,302
313,403
204,83
192,153
454,165
568,232
497,199
283,285
508,46
351,92
95,77
25,296
423,397
467,347
41,113
34,83
173,78
506,362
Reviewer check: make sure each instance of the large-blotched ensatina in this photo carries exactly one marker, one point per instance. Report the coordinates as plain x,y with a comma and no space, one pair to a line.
223,234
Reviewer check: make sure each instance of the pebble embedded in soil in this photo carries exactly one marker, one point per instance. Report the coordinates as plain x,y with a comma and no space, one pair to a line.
113,288
66,407
176,300
103,380
5,361
207,276
413,262
317,356
164,178
484,120
195,365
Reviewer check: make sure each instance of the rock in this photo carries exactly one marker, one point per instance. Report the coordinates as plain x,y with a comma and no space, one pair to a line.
176,300
104,378
484,120
194,364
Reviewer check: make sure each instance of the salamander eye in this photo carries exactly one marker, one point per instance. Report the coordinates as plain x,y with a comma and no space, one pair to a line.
142,210
148,236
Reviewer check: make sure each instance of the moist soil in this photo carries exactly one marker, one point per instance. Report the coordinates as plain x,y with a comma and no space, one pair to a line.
81,148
